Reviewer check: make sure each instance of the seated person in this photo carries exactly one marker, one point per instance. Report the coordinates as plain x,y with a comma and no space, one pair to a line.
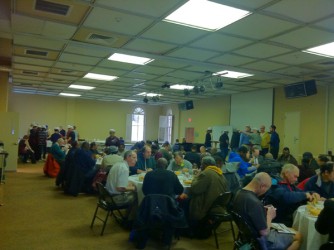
203,152
118,184
193,156
86,165
286,157
180,164
270,166
58,151
205,188
162,181
242,156
256,159
165,152
93,149
121,150
145,161
324,223
26,151
308,167
322,159
176,146
286,197
110,158
323,183
247,204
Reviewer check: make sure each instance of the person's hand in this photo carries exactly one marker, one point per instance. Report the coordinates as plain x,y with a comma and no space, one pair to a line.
131,186
271,211
309,196
149,169
316,196
182,196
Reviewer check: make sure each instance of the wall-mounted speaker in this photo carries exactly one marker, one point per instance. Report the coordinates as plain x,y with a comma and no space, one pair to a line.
301,89
189,105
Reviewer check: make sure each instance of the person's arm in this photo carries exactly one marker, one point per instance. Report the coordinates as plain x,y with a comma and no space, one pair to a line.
271,214
130,187
199,184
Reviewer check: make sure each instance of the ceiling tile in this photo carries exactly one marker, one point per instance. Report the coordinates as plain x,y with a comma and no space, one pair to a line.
303,10
231,60
264,66
73,66
149,46
253,27
32,41
296,58
33,61
327,24
72,58
193,54
305,38
117,21
261,50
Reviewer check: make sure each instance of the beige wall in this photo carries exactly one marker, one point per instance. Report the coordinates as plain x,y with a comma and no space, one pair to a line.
93,118
313,119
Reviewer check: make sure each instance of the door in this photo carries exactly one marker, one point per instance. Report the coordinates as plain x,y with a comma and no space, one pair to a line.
291,130
9,129
189,135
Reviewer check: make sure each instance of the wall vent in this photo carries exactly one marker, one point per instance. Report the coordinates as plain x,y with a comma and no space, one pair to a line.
52,7
68,71
97,38
36,52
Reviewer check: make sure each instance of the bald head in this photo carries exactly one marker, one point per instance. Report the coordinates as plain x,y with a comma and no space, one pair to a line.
260,183
162,163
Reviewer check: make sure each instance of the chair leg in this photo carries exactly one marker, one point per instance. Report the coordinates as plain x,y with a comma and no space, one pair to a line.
105,222
216,238
94,217
232,228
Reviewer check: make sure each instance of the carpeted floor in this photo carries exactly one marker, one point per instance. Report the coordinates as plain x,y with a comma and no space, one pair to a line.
37,215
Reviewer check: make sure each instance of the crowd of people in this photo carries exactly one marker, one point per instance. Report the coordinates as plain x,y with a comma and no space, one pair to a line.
270,187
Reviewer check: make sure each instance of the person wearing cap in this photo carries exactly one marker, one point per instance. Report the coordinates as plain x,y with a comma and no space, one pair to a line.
111,157
308,167
112,140
224,142
208,138
56,135
286,157
274,142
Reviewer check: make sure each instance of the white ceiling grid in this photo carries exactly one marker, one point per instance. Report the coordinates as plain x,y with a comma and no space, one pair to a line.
267,44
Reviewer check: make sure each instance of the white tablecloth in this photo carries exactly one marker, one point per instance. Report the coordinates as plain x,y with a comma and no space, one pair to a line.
304,223
139,185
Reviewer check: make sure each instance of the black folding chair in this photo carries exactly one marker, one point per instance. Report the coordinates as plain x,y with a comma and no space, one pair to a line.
246,236
215,216
107,203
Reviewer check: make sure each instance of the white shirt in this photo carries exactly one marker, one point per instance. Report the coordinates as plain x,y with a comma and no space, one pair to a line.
118,177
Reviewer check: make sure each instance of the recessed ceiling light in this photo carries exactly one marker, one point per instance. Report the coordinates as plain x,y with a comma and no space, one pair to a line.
100,77
181,86
326,50
231,74
69,94
127,100
73,86
130,59
149,94
206,15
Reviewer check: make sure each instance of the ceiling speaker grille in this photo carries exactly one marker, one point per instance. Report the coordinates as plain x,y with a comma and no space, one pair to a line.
51,7
32,73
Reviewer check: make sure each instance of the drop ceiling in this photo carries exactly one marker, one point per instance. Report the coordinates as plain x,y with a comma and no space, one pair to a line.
45,52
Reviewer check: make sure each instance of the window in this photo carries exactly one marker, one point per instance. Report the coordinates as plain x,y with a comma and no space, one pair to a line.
165,128
135,125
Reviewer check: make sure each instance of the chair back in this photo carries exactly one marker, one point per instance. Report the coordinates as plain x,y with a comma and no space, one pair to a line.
233,181
105,198
222,201
246,235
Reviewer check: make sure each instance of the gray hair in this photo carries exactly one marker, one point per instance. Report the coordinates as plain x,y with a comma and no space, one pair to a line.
288,168
208,161
128,153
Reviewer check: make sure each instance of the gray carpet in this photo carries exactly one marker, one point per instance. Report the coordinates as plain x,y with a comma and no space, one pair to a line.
37,215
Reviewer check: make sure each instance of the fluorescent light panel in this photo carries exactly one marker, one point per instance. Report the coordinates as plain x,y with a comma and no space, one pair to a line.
181,86
206,15
231,74
149,94
126,100
73,86
130,59
100,77
326,50
69,94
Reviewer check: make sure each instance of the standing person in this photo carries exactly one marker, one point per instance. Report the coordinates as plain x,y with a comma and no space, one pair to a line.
70,136
62,132
76,133
33,140
224,141
265,140
42,137
274,142
244,138
112,140
247,204
56,135
235,140
208,138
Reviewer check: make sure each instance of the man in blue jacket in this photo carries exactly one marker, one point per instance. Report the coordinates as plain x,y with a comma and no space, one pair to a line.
242,157
322,183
